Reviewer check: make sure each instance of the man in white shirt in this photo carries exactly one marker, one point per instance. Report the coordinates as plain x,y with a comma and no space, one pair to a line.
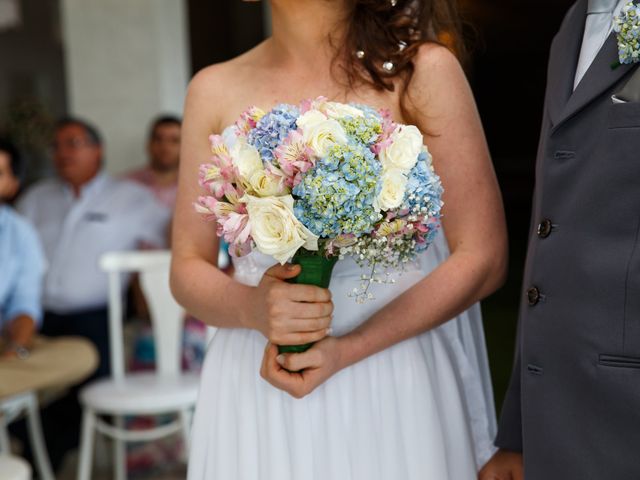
80,215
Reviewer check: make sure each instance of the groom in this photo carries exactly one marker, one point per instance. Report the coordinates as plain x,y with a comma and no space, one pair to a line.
572,411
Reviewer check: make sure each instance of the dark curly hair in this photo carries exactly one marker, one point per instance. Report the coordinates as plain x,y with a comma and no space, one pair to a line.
384,36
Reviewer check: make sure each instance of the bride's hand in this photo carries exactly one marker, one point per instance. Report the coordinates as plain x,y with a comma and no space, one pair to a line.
300,373
289,314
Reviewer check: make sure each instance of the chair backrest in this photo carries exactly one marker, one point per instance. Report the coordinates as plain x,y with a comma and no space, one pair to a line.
166,315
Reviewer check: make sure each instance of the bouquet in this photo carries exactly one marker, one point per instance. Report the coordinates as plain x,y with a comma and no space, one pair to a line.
315,182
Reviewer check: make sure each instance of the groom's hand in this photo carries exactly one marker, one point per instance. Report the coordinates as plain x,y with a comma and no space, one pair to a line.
299,374
503,465
289,314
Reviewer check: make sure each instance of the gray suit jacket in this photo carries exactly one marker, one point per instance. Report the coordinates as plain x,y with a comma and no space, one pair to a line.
573,406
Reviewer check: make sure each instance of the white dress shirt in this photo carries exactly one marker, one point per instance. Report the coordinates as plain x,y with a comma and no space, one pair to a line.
599,25
108,215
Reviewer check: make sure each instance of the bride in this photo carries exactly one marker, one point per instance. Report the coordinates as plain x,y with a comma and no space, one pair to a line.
395,388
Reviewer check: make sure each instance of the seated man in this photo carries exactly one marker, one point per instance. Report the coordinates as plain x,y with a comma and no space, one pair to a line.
160,175
21,263
79,215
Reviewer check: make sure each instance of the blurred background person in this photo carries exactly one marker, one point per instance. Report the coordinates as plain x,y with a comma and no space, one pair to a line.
160,175
80,214
21,262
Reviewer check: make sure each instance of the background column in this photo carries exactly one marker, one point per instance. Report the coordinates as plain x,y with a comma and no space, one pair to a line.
126,62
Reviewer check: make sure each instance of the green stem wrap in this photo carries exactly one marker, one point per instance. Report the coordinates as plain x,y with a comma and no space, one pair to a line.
316,270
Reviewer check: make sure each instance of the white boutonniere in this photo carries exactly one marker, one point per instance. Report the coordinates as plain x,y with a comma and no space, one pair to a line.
627,28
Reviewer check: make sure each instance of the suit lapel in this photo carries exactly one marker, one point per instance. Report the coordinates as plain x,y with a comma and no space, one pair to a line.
563,61
597,80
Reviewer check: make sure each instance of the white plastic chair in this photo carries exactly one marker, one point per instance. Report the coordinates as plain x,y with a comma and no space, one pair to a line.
166,390
11,409
14,468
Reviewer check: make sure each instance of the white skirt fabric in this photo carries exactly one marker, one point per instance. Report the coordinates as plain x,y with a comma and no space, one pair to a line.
422,409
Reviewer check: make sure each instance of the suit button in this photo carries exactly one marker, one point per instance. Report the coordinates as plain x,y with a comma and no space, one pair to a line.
544,228
533,296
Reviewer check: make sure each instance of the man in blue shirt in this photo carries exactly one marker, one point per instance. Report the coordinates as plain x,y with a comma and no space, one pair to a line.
22,265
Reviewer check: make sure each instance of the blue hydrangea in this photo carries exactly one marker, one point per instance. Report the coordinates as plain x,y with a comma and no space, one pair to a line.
368,111
365,129
272,129
336,197
424,195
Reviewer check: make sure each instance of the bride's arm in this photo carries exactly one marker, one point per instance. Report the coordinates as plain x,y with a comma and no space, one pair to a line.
284,313
442,104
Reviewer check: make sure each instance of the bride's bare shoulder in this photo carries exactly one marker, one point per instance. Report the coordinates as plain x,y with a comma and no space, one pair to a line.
435,68
222,85
227,74
438,83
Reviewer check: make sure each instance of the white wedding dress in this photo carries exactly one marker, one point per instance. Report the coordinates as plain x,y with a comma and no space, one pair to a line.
422,409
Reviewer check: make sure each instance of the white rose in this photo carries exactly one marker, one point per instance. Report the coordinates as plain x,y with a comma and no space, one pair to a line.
310,118
275,229
246,158
320,132
265,184
394,186
341,110
406,145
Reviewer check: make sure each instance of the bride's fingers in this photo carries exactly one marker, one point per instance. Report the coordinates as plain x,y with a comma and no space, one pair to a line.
299,338
308,293
295,362
310,310
306,325
276,375
269,360
283,272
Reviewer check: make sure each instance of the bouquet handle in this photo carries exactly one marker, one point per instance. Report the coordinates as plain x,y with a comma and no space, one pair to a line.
316,270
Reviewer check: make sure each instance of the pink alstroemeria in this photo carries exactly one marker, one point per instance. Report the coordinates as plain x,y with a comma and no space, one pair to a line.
232,219
388,127
220,172
233,194
240,249
314,104
295,157
235,228
281,177
421,227
218,146
210,178
213,209
249,119
340,241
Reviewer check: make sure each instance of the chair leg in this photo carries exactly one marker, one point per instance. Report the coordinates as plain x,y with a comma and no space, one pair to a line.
186,416
86,444
37,440
5,445
119,451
